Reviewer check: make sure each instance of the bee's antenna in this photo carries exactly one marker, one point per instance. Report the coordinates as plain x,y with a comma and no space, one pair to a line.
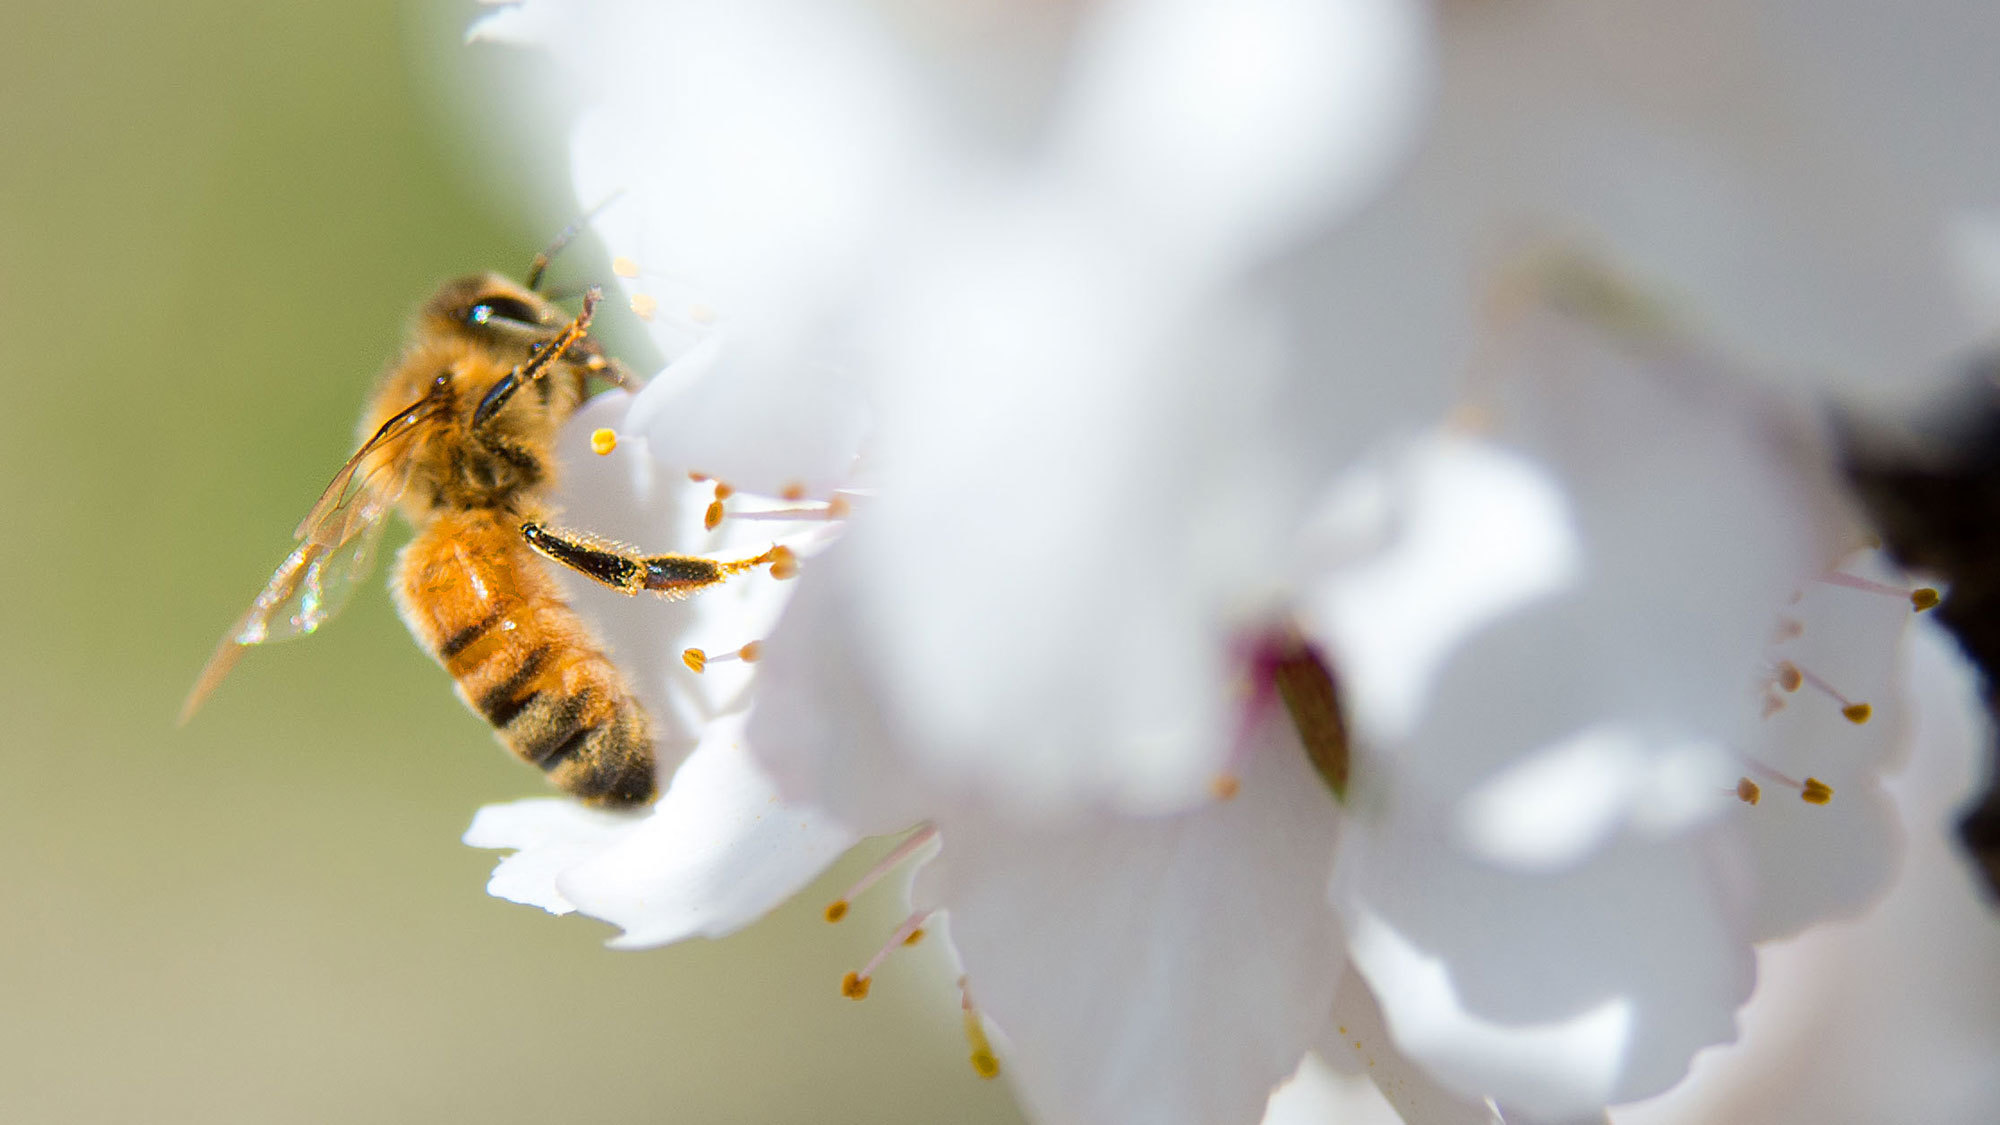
541,263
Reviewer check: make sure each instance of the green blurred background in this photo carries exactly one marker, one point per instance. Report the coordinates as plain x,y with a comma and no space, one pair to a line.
216,218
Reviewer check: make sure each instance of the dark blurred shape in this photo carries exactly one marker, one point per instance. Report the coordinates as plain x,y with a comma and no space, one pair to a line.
1931,486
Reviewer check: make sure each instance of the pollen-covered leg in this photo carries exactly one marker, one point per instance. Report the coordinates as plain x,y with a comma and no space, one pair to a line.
630,572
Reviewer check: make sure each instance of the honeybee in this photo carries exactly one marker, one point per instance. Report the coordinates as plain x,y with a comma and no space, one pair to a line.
460,434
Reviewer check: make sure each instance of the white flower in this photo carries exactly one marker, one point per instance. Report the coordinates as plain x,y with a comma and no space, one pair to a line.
1093,349
1548,880
1890,1017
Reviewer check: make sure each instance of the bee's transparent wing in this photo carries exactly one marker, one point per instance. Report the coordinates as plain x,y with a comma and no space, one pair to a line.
335,552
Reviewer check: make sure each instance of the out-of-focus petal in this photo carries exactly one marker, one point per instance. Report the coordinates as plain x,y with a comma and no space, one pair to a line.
1357,1041
720,851
766,420
1231,125
1475,531
1724,154
1051,430
1164,970
1322,1095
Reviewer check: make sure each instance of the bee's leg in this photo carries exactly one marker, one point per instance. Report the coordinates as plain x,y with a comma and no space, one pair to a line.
548,353
630,572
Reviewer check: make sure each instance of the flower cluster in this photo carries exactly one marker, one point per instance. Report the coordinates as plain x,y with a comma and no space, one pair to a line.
1313,531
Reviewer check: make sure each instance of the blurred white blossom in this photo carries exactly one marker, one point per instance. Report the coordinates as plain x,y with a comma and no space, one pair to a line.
1124,334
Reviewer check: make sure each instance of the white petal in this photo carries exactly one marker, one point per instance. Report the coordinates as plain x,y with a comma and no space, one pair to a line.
1814,862
818,724
754,414
720,851
548,835
1228,125
1321,1095
1891,1016
1156,970
1357,1040
760,144
1554,994
1479,531
524,24
1711,149
1047,451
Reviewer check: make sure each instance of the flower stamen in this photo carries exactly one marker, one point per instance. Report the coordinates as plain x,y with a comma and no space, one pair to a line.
1812,790
834,509
1853,711
854,985
837,909
984,1062
698,660
1921,598
1791,677
603,441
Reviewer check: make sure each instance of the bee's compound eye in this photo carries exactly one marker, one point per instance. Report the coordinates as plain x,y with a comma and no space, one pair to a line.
505,308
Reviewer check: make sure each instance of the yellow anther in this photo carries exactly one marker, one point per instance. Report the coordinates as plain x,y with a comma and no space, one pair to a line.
1816,792
836,910
1748,791
1923,598
695,659
644,305
916,936
750,652
697,477
837,508
1789,676
712,518
1857,713
854,986
603,441
1224,786
985,1063
1788,628
784,564
624,267
723,491
793,491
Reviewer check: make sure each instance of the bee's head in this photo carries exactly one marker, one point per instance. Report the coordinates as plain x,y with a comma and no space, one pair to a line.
490,309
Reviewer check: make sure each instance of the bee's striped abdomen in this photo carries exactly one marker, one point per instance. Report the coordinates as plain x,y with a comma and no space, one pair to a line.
477,598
